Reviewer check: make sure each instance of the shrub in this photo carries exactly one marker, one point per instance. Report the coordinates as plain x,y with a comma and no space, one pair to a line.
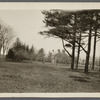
10,55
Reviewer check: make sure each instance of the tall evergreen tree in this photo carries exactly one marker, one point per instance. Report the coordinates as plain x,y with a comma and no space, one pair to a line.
96,34
32,53
67,24
41,55
63,25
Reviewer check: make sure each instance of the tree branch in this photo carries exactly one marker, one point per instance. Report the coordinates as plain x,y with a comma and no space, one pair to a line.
81,46
66,49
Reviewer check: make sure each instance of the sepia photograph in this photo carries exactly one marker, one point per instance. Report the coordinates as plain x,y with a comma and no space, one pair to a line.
50,48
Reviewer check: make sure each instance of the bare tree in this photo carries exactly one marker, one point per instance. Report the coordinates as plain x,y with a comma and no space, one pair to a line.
6,36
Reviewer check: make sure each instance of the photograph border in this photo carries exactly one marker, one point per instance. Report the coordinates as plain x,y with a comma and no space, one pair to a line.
48,96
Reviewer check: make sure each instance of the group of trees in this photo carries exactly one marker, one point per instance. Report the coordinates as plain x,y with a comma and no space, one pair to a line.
62,57
40,56
59,57
6,36
76,29
20,51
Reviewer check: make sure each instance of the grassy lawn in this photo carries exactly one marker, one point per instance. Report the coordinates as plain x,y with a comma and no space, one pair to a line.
39,77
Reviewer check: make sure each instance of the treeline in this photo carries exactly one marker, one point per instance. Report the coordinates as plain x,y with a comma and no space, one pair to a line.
76,29
20,51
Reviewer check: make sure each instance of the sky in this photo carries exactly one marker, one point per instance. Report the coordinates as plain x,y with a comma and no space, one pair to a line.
27,23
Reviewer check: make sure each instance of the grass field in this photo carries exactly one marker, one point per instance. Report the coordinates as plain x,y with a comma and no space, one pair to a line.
39,77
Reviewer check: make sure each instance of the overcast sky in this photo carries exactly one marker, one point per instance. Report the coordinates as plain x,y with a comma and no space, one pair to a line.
27,23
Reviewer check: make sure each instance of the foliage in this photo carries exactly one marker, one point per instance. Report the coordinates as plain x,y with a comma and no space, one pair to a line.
62,57
32,53
69,26
59,57
10,55
49,58
21,51
40,55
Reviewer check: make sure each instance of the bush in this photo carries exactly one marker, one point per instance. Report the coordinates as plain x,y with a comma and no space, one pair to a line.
21,55
10,55
17,55
20,52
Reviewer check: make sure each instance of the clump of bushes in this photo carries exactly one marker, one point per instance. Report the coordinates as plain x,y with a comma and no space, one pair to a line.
20,52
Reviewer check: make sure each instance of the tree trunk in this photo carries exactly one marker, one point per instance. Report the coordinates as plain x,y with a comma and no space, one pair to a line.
94,49
88,52
3,51
73,48
73,56
0,48
0,51
78,52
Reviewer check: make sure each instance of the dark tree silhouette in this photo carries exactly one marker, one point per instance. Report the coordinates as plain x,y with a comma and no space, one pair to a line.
96,34
78,52
10,54
72,27
63,25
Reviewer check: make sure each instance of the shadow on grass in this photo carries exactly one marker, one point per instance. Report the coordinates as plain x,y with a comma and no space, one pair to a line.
80,79
74,70
94,74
